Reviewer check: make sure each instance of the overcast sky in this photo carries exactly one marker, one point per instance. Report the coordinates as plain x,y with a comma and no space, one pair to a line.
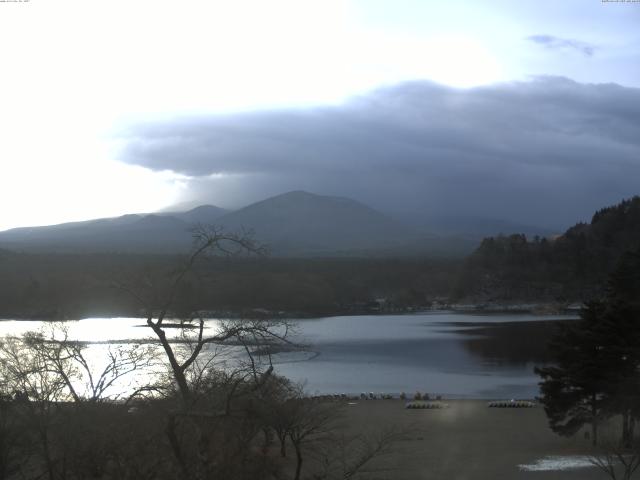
525,110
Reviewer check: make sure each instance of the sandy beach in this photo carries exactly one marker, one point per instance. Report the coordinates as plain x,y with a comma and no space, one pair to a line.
468,440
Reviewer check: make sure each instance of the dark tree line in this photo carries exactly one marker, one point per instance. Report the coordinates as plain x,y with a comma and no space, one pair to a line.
572,267
596,375
50,286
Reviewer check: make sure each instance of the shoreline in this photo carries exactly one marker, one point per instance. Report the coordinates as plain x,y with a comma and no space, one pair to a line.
542,309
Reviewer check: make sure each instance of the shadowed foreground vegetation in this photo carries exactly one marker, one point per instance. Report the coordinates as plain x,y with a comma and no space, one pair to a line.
236,425
208,406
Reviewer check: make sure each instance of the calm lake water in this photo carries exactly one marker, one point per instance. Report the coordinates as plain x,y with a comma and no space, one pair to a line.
451,354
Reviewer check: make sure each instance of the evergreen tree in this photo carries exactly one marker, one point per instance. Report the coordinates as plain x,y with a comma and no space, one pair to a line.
619,330
574,389
597,370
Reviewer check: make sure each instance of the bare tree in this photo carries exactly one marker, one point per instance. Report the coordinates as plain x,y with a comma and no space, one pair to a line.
616,458
221,394
309,422
277,411
320,443
158,301
350,458
87,381
13,454
36,391
44,371
191,362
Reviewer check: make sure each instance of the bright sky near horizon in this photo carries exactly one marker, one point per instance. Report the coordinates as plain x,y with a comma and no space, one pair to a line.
74,74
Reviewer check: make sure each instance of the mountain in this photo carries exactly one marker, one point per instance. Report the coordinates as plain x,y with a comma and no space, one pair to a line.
204,214
295,223
292,224
302,222
167,232
133,233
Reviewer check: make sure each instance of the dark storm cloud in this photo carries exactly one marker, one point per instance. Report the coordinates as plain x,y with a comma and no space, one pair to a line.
545,151
549,41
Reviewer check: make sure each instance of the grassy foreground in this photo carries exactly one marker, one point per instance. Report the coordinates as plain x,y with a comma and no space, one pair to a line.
468,440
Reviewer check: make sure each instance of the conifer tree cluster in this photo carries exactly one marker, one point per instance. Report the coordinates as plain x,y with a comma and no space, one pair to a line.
597,370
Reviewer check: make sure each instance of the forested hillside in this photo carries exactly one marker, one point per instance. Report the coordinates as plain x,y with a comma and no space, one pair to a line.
76,286
572,267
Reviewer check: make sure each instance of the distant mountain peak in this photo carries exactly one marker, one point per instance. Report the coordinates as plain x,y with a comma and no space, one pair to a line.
294,193
201,214
303,222
297,197
297,222
204,208
300,193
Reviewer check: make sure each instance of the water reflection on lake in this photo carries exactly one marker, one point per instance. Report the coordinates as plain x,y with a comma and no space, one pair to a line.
481,356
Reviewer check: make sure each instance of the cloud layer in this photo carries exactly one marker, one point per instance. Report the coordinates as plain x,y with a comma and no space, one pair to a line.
557,43
546,151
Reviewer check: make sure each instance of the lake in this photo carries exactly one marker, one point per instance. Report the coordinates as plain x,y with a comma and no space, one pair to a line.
443,353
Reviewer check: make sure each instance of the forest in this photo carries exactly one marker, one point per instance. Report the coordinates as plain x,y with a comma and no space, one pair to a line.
572,267
504,269
70,286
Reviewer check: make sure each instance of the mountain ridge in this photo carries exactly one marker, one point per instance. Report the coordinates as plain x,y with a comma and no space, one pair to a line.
295,223
304,221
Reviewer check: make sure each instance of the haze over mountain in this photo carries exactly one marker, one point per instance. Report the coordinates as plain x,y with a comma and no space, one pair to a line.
294,223
478,228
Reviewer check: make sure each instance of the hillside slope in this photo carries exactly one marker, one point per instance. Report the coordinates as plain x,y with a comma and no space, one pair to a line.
573,266
297,222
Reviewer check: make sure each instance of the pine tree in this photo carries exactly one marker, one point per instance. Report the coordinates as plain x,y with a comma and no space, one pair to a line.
596,374
574,389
